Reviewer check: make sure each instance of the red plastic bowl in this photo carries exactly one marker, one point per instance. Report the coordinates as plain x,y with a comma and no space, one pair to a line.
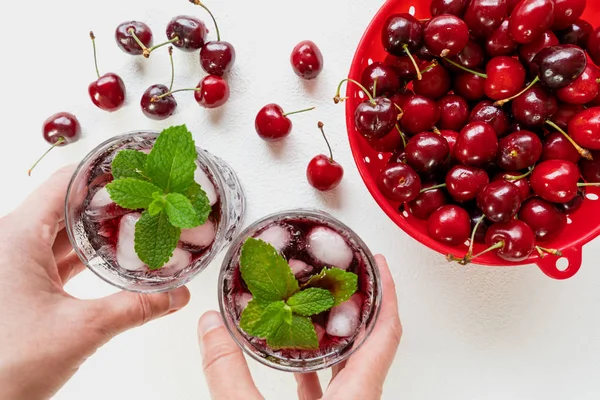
584,225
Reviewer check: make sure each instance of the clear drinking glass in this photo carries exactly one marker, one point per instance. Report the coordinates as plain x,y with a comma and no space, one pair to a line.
93,223
234,296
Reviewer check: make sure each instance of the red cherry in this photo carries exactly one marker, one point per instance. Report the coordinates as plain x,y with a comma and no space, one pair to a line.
187,33
399,183
505,78
158,101
427,202
477,144
495,116
593,46
499,200
570,207
108,91
469,86
324,173
389,143
500,43
454,112
272,124
403,65
463,182
216,57
483,16
583,90
530,19
454,7
451,137
555,180
584,128
577,33
472,56
557,147
426,152
307,60
402,33
513,241
590,169
434,84
567,12
543,217
527,52
445,35
213,92
401,97
521,183
534,107
565,113
125,38
385,76
420,115
519,150
449,224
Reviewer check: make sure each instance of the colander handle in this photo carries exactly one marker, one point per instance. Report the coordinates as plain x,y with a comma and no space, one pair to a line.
548,264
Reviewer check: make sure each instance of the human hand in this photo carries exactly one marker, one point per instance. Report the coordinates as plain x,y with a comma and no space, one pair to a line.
360,377
46,334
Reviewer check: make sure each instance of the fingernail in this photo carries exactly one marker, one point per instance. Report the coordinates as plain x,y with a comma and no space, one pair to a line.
179,298
208,322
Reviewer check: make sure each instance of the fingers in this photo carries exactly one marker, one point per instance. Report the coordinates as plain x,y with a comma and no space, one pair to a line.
69,267
62,246
225,367
309,386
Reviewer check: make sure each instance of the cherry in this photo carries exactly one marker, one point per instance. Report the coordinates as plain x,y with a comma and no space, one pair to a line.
445,35
187,33
126,41
399,183
585,153
511,4
577,33
108,91
543,217
424,54
584,128
391,142
469,86
307,60
590,169
463,182
583,89
272,124
420,114
454,7
449,224
519,150
434,84
379,78
565,114
558,66
426,152
451,137
403,66
593,46
499,200
534,107
557,147
323,172
555,180
484,16
471,56
518,180
401,97
567,12
527,52
402,34
513,240
479,225
162,107
454,112
399,156
216,57
427,202
59,129
486,112
573,205
505,77
212,92
530,19
477,144
500,43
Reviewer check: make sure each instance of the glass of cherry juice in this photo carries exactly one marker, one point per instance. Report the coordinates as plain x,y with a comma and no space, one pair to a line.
311,242
102,233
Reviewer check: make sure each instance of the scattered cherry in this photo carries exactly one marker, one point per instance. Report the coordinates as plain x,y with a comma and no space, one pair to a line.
399,183
307,60
323,172
426,152
543,218
126,40
427,202
499,200
212,92
272,124
108,91
519,150
186,32
463,182
163,106
477,144
449,224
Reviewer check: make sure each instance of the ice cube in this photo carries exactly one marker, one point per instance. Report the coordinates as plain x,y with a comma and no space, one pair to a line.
320,332
178,261
278,236
203,180
201,236
344,319
242,300
329,248
126,255
100,199
300,268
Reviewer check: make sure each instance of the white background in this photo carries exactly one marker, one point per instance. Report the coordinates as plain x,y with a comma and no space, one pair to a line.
470,332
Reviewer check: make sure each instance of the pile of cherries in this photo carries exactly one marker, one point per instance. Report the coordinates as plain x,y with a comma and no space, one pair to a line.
491,110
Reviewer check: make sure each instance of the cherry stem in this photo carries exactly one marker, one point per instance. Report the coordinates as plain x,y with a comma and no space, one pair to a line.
427,189
157,98
472,242
419,76
436,130
299,111
320,126
337,97
588,184
431,66
542,251
401,135
60,141
497,246
95,58
457,65
585,153
172,68
199,3
400,114
375,88
500,103
516,178
145,50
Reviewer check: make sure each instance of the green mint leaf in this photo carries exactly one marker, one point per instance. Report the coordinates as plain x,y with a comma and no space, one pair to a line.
340,283
298,334
129,164
157,206
272,317
251,315
311,301
180,211
155,239
266,273
199,201
172,161
132,193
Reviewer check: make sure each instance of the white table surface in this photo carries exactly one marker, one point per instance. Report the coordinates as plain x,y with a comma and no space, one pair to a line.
470,332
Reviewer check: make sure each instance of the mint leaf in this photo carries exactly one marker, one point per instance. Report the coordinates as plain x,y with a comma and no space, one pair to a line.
132,193
199,201
129,164
251,315
266,273
298,334
340,283
155,239
311,301
156,207
172,161
180,211
272,317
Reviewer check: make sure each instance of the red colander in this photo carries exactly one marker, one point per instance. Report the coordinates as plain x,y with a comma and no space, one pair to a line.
583,225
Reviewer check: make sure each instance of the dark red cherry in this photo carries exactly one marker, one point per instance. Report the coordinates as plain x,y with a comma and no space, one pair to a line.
427,202
463,182
530,19
593,46
511,4
583,89
399,183
323,172
487,112
449,224
454,112
557,147
584,128
389,143
499,200
522,183
155,105
426,152
434,84
475,214
420,115
403,65
375,118
519,150
506,77
272,124
534,107
107,92
577,33
527,52
217,57
558,66
445,35
213,93
555,180
567,12
484,16
471,56
190,31
307,60
399,156
514,239
573,205
424,54
402,32
590,169
543,218
477,144
126,41
385,76
454,7
500,43
401,97
469,86
565,114
451,137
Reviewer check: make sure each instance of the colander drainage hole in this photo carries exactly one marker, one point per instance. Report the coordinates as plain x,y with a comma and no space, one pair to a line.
592,196
562,264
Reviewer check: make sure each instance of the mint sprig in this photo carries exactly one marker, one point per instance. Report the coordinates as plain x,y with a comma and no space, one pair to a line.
280,311
161,183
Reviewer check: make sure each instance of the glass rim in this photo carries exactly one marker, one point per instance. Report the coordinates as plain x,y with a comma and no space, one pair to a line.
238,335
